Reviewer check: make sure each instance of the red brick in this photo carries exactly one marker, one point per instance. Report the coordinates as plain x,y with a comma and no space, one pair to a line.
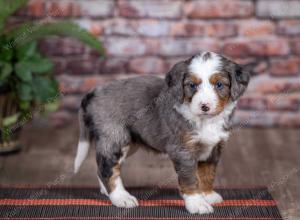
285,67
295,46
60,8
244,61
116,46
70,103
79,85
256,28
252,102
121,27
276,85
61,46
150,8
69,84
278,8
266,47
59,66
221,29
187,29
96,29
257,66
289,120
148,65
270,47
142,27
261,67
61,118
153,28
283,102
218,9
187,47
96,8
173,60
76,9
90,82
261,118
80,66
36,8
289,27
114,65
237,48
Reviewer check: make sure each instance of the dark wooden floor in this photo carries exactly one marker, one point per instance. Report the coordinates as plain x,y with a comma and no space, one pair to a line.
252,157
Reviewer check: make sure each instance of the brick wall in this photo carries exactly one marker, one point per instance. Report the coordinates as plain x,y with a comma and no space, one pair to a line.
149,36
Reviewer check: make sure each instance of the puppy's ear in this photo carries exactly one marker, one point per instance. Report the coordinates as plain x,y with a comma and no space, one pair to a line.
175,77
176,73
239,79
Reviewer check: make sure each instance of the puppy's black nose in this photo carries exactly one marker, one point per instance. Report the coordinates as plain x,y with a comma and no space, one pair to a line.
205,107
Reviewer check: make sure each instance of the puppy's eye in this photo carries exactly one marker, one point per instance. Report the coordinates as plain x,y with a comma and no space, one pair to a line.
193,86
219,85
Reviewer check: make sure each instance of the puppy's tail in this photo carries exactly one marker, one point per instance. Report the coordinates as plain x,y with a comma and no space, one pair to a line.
83,145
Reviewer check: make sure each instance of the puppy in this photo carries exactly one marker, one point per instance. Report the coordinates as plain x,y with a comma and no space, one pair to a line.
186,115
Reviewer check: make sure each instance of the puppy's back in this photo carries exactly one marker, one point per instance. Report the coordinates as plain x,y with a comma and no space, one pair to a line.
119,99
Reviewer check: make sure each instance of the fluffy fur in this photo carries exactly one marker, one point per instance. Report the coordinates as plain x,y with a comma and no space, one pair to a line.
187,115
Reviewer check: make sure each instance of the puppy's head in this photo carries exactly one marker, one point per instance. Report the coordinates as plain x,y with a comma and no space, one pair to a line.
207,83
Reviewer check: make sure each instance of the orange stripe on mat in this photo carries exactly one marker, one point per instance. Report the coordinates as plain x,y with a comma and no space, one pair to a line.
87,202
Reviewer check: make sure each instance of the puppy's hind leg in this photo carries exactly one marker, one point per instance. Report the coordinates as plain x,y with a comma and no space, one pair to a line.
110,179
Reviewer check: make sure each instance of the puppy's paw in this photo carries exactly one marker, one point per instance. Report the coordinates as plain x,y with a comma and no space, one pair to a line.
196,204
123,199
213,197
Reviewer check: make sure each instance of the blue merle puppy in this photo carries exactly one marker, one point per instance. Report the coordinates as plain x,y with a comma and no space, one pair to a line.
186,115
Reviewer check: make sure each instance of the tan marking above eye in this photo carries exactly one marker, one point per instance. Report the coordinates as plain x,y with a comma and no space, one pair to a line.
219,77
194,79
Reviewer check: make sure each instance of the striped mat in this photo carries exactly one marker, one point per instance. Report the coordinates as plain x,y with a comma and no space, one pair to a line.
155,203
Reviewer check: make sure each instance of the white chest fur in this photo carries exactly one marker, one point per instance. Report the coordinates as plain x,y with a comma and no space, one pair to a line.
208,130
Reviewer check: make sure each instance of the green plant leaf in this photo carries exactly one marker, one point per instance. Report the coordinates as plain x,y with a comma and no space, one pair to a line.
51,106
44,89
10,120
25,68
23,72
5,70
39,65
24,105
6,53
6,134
24,92
34,31
8,7
26,51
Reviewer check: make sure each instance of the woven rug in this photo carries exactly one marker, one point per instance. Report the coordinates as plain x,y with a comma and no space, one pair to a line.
155,203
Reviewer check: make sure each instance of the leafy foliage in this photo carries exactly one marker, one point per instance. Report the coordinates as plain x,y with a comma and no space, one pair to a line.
7,8
35,31
29,75
23,70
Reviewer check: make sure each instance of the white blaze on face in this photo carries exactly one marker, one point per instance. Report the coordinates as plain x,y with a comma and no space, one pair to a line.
204,69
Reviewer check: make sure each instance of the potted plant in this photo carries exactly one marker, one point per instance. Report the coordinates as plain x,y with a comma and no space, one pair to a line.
26,81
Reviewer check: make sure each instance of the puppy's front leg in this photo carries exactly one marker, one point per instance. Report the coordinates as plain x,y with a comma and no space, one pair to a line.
206,176
189,187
